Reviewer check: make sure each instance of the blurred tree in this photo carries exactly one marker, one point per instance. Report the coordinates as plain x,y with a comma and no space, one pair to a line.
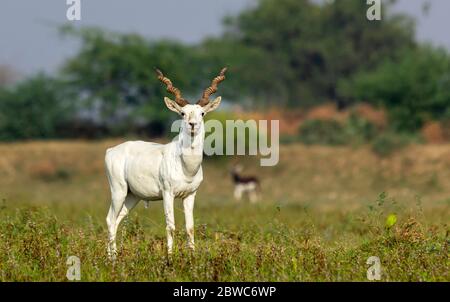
305,48
243,83
33,109
115,74
414,89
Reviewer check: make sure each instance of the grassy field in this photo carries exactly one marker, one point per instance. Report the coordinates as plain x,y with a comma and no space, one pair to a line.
323,214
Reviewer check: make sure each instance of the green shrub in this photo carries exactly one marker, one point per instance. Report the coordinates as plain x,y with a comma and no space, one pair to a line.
360,130
36,108
413,89
387,143
322,132
355,130
288,139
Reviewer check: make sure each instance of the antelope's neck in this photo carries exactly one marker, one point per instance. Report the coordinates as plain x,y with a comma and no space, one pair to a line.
191,152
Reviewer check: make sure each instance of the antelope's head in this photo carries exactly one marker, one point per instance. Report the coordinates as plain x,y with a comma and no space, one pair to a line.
192,114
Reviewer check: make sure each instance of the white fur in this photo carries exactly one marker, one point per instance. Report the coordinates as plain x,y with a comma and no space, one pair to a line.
138,170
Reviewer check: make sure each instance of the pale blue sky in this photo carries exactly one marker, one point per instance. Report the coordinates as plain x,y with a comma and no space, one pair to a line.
29,41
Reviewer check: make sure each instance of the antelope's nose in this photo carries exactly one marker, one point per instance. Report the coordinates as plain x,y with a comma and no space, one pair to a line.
192,125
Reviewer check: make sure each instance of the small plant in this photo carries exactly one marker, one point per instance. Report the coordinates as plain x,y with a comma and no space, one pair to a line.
391,220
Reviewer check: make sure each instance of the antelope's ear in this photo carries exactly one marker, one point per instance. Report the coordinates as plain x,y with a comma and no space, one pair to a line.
172,105
211,106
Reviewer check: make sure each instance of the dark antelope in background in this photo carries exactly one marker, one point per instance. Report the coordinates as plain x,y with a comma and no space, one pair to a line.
249,185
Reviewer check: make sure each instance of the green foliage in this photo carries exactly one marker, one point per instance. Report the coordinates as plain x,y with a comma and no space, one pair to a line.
355,130
328,132
413,89
360,129
305,47
243,84
36,108
116,74
387,143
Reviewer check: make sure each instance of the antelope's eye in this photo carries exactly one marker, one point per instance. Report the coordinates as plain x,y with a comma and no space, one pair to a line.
182,113
203,114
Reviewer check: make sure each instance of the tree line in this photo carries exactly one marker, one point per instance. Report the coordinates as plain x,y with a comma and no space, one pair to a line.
289,53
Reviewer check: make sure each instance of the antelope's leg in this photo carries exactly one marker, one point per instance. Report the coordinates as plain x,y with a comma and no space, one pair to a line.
118,187
188,204
130,202
111,219
170,220
238,192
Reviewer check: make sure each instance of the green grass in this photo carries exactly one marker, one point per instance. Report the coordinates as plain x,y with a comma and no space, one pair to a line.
234,243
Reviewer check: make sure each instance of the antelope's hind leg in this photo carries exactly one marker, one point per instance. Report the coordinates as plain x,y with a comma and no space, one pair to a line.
119,192
130,202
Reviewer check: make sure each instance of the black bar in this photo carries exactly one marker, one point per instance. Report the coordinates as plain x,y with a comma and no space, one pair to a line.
208,291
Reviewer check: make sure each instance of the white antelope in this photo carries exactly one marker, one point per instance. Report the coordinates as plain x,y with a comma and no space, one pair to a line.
138,170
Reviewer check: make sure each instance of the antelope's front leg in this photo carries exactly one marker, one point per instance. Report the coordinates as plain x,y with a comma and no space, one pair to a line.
188,204
170,220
